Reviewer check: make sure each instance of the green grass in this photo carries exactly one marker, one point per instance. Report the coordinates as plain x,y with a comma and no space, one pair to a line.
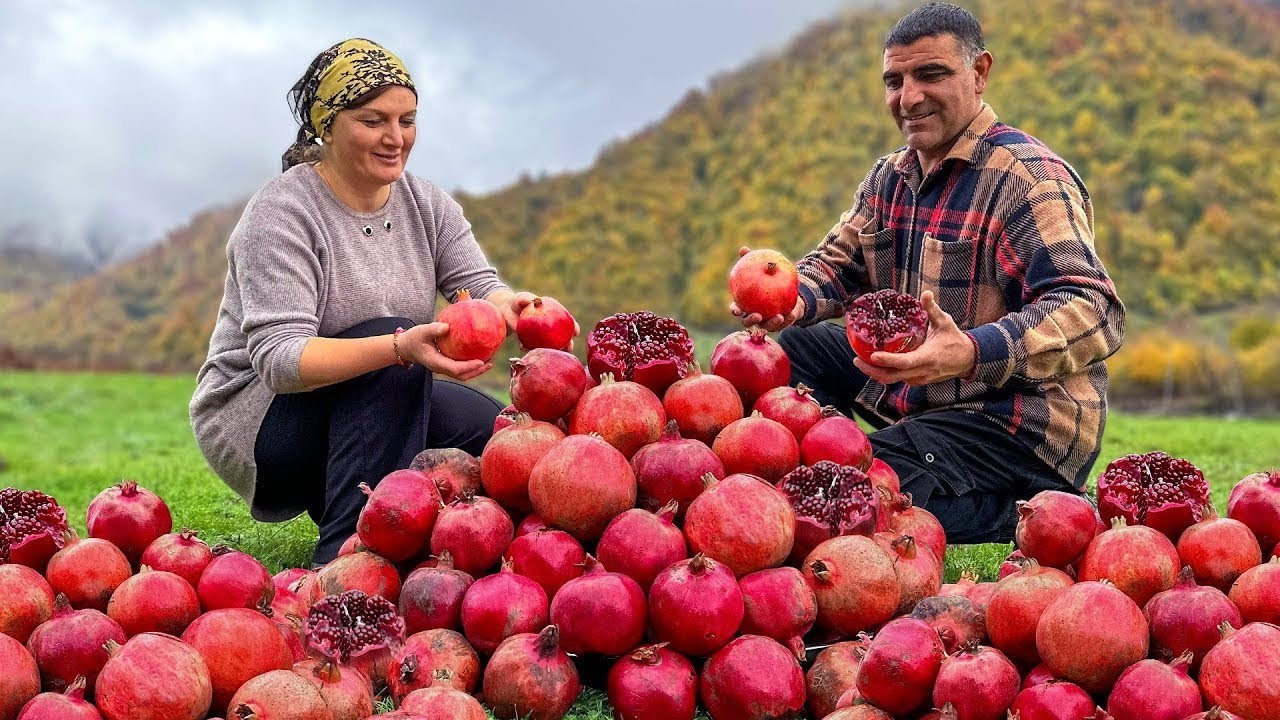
71,435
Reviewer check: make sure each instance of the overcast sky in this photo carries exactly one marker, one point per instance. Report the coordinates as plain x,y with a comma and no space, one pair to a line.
141,113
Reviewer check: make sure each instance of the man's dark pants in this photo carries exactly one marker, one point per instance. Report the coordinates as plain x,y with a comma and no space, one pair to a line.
959,466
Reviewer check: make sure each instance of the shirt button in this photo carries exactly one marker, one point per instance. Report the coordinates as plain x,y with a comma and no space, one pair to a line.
928,457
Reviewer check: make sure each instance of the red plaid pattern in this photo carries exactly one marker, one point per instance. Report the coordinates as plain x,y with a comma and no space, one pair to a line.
1002,232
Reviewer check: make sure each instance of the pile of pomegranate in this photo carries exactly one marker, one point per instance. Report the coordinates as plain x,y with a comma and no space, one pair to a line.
702,534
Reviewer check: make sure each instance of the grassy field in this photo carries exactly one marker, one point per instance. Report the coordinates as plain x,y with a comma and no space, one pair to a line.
71,435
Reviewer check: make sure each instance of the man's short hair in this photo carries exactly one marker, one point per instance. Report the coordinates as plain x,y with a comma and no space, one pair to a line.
938,18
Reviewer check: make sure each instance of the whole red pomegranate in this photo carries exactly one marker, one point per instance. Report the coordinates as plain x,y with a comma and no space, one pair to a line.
547,383
70,644
356,629
702,405
414,665
530,676
640,544
26,600
129,517
900,667
764,282
1219,550
829,499
742,521
695,606
509,457
1053,700
346,691
956,619
87,571
1055,527
652,350
752,678
1016,605
153,677
1165,493
919,570
550,558
1078,648
980,682
1137,559
626,414
431,597
19,677
1187,617
279,694
599,612
68,705
499,606
757,446
1257,593
795,408
234,579
582,503
33,526
154,601
545,323
653,683
778,604
838,439
834,673
1255,501
672,469
364,571
754,362
1214,713
855,583
476,328
907,519
1241,674
885,321
1152,690
236,644
453,470
398,517
476,530
181,553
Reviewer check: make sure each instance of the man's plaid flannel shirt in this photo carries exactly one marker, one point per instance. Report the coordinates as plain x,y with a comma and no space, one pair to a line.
1002,232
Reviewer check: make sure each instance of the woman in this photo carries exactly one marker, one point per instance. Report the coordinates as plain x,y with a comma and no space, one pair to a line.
310,386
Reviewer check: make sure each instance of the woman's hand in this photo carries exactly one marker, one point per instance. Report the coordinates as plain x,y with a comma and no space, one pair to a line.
418,344
512,304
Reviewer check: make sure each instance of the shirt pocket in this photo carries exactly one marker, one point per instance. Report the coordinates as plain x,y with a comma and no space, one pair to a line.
877,253
953,271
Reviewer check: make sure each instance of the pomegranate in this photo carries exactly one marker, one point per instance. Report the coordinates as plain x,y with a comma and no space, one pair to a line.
752,678
1078,648
1241,674
1038,675
32,528
652,350
236,644
695,606
653,683
476,328
1214,713
545,323
531,523
859,712
1012,563
599,612
397,519
640,544
550,558
1219,550
702,405
885,321
902,662
69,705
778,604
919,570
19,677
70,644
833,674
855,583
129,517
582,503
288,613
1137,559
1016,606
499,606
431,597
795,408
441,699
1052,700
1055,527
154,601
907,519
671,469
764,282
757,446
153,677
1255,501
1257,593
26,600
741,521
546,384
506,418
234,579
1187,617
476,530
962,586
414,665
181,553
454,471
1152,690
530,676
829,499
87,572
979,682
356,629
346,691
956,619
363,571
883,477
626,414
509,457
278,695
753,362
838,439
1165,493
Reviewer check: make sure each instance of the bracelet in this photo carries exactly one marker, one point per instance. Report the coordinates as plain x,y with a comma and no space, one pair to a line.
395,345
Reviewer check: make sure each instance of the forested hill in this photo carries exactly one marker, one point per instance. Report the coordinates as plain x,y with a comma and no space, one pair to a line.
1170,110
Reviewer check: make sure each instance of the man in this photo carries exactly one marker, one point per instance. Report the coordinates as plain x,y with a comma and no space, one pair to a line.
994,233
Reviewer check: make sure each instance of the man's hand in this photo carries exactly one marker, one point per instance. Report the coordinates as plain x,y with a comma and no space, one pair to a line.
418,344
773,324
946,353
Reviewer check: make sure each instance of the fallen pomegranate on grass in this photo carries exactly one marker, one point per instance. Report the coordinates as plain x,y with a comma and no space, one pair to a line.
885,321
